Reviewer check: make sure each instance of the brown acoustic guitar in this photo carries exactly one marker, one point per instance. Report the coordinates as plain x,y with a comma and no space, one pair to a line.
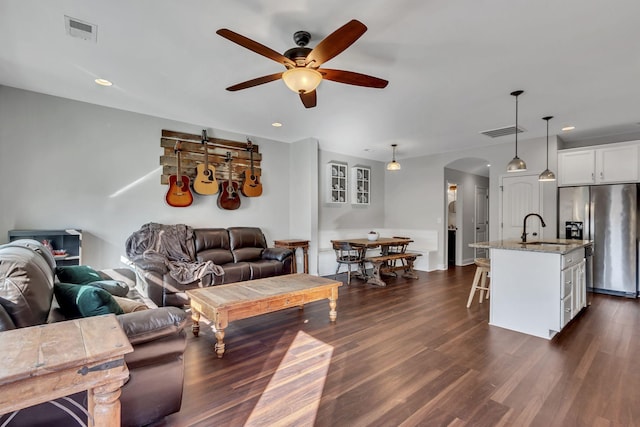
205,182
229,198
252,186
179,195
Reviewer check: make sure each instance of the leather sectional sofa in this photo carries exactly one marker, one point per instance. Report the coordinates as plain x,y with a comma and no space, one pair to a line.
156,366
241,252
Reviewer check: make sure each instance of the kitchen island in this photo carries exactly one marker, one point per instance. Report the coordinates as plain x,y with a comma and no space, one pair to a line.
536,287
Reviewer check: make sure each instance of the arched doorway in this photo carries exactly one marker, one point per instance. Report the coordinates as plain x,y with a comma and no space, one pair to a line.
466,208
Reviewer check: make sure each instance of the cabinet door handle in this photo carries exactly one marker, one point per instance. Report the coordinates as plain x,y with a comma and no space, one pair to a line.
601,175
593,177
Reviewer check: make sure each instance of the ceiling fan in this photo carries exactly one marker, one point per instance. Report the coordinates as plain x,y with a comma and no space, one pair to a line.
303,74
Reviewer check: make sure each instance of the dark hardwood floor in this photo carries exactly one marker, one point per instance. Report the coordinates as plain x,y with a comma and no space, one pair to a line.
412,354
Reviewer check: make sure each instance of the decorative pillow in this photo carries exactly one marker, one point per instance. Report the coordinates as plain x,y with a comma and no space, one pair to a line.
116,288
129,305
77,274
85,301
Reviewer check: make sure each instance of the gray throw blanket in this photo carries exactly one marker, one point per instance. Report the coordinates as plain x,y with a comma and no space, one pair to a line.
173,246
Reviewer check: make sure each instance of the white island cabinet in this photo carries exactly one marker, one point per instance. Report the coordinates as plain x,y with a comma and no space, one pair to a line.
536,288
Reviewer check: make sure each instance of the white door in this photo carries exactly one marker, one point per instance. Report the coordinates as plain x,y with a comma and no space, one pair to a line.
520,196
482,220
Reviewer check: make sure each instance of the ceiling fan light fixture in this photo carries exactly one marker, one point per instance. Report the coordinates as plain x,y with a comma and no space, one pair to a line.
393,165
302,79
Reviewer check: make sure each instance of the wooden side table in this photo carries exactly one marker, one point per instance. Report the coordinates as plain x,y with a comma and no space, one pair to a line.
294,244
46,362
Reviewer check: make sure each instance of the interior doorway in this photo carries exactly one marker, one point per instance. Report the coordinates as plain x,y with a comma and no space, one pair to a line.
452,225
467,217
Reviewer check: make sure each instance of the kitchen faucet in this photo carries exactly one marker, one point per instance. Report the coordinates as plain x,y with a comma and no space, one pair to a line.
524,225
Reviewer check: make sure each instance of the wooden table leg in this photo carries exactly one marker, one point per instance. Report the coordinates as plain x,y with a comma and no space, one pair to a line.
333,303
104,405
376,279
305,256
408,272
219,346
294,262
195,317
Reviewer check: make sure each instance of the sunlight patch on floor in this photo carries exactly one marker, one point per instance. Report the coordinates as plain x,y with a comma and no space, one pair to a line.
293,394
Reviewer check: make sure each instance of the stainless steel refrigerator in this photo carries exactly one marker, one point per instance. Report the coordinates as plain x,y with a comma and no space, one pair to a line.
608,215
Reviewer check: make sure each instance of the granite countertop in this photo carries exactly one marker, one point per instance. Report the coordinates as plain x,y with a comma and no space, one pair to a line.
556,246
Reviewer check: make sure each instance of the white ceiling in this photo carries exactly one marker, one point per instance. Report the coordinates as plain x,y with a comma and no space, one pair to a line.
451,66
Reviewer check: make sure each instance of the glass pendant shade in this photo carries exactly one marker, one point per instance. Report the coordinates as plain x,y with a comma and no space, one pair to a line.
517,164
393,165
547,175
302,79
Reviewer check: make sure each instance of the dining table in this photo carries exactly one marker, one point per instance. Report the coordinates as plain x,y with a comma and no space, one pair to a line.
382,263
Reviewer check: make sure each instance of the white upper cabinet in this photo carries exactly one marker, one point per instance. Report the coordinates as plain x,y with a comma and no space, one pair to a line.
576,167
613,163
617,164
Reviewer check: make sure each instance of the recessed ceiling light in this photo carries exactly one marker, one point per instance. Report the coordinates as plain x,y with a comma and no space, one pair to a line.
488,165
103,82
276,124
568,128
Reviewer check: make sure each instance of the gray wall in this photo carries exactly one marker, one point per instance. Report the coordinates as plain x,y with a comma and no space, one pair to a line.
334,216
68,164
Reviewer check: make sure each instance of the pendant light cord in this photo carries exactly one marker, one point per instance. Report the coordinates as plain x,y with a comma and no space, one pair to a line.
517,125
546,119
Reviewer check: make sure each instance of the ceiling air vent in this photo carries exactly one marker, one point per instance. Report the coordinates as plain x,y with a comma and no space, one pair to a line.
81,29
496,133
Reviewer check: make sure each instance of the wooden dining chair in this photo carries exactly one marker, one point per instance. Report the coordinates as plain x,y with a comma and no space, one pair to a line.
348,255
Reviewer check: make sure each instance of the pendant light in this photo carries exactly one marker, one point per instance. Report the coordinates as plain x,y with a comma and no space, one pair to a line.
517,164
393,165
547,175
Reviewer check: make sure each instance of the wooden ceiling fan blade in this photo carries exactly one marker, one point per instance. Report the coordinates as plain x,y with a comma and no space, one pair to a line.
255,82
352,78
255,47
309,99
336,42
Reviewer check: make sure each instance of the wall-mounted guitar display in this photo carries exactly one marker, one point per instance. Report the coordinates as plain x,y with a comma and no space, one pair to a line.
205,181
201,154
251,186
229,198
179,195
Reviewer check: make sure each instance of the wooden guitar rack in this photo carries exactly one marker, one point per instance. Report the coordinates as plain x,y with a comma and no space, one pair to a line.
193,153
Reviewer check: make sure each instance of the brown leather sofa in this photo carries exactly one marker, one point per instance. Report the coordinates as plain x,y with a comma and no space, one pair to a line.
156,366
242,253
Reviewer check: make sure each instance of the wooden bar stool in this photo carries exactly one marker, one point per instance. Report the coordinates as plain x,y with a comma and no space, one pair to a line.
483,267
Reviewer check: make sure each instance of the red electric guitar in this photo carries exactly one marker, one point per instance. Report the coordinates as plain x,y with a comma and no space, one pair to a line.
229,198
179,195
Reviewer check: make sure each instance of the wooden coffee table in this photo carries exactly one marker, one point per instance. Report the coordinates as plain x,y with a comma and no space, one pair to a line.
226,303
